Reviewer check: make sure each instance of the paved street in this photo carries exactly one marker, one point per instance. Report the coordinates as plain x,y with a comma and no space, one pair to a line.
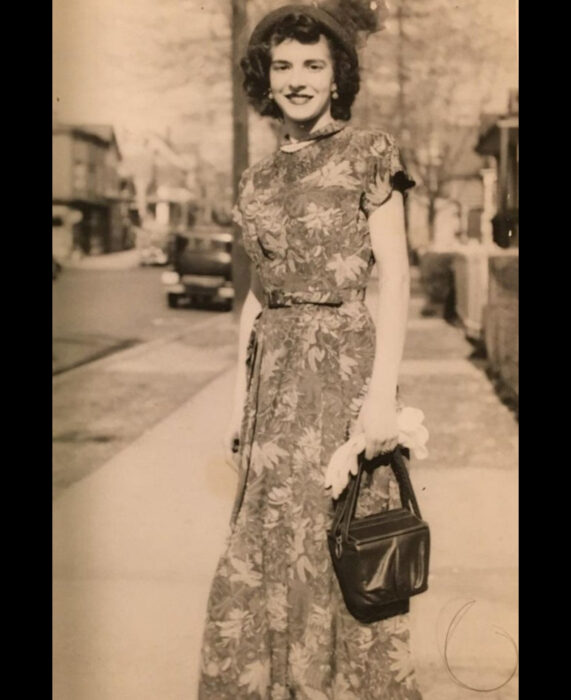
102,405
97,311
136,541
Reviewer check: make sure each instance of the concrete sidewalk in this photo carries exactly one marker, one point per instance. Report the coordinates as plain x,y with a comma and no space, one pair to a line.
136,543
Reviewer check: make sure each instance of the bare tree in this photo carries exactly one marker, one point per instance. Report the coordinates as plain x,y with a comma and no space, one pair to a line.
432,69
434,72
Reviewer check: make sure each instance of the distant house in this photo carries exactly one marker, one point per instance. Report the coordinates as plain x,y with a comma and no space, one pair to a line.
464,182
91,200
485,276
499,139
460,200
165,180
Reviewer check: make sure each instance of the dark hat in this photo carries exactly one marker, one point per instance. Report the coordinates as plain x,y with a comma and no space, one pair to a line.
342,18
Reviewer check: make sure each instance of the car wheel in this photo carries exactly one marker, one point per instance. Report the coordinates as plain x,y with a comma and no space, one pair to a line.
172,300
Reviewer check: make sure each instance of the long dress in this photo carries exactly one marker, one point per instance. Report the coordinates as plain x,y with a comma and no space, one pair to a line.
276,624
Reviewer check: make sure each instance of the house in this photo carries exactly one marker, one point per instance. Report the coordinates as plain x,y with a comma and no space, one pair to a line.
165,182
500,140
464,182
91,198
501,314
482,270
451,179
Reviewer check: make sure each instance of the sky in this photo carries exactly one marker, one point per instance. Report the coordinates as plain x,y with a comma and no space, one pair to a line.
103,56
96,47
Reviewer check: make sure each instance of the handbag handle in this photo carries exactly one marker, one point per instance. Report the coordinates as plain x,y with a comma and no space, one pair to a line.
345,509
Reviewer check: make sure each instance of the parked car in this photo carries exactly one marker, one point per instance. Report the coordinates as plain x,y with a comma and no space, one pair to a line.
201,268
153,255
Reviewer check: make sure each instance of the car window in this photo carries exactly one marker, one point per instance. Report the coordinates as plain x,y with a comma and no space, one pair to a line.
208,244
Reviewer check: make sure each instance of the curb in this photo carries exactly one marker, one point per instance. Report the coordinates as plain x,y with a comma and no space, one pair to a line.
117,261
104,351
131,352
108,356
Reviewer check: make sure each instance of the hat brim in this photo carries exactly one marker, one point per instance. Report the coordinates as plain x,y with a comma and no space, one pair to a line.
264,27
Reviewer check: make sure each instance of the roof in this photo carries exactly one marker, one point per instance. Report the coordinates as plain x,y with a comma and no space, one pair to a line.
490,124
463,161
104,133
487,120
184,160
489,140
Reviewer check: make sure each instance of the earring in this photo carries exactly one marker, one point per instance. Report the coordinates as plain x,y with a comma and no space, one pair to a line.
334,93
270,94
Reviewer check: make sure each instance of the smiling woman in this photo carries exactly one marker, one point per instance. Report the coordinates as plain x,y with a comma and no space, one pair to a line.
315,367
301,28
302,83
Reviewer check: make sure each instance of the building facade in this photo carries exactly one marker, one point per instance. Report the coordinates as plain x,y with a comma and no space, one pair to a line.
91,200
500,140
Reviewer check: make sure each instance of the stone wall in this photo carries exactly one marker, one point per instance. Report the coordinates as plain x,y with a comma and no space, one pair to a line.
501,319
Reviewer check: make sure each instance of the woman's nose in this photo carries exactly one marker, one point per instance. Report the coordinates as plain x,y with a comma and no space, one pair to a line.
297,87
296,80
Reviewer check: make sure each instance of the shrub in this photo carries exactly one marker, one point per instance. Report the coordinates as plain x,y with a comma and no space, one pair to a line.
437,276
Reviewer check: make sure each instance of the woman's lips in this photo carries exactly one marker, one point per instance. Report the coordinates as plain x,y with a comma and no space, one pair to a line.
299,99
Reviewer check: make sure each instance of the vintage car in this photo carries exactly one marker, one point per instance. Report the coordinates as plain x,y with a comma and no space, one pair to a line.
201,268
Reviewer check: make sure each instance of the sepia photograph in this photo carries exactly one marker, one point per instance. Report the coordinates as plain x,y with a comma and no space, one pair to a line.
285,350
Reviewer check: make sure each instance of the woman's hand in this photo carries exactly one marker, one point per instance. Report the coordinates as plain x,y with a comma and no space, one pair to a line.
231,438
378,421
250,311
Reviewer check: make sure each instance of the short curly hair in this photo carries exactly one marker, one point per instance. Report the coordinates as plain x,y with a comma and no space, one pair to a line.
306,30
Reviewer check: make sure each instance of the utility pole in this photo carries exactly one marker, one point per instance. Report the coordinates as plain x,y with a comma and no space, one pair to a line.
407,10
406,47
401,103
401,71
239,28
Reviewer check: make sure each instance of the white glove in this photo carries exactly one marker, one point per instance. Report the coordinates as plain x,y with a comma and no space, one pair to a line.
342,463
412,434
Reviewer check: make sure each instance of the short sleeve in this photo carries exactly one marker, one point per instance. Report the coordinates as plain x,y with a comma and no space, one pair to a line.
384,172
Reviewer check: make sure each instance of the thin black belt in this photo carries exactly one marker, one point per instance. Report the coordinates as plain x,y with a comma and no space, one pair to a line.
277,298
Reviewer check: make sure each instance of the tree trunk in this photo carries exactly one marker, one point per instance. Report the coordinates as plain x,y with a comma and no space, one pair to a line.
240,262
431,217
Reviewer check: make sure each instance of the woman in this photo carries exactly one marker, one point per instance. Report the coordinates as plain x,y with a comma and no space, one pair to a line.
315,217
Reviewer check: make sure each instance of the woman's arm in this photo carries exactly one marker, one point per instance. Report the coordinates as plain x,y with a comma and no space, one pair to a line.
378,417
251,308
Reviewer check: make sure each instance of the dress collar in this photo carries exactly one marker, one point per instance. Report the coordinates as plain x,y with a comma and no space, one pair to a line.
331,127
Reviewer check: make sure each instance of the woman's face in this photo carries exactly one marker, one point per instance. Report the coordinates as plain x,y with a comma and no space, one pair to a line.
301,77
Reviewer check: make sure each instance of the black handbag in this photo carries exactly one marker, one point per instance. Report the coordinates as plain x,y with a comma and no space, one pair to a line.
382,559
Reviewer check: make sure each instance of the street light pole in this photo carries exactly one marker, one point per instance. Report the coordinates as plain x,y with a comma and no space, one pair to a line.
401,75
240,263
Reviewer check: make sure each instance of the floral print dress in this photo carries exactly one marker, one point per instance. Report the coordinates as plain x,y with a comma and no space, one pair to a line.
276,626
